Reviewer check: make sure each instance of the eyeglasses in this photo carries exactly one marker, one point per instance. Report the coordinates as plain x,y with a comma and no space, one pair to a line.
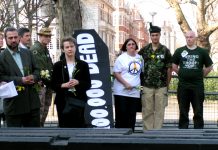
130,44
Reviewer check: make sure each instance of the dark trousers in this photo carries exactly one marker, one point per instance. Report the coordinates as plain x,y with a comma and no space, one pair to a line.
125,111
195,97
75,119
31,119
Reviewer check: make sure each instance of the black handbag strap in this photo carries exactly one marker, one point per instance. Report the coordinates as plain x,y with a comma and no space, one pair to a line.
62,70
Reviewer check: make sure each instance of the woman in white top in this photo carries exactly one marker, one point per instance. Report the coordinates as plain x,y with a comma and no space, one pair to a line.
126,86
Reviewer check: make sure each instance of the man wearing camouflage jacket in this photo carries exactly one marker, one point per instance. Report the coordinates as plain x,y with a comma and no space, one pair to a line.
44,62
155,80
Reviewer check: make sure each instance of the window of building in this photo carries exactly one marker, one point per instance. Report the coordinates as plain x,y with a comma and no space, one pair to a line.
121,3
58,43
121,37
101,14
121,20
50,46
110,19
102,6
115,20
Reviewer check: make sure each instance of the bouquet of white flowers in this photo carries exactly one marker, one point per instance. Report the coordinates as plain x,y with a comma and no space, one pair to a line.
45,74
139,88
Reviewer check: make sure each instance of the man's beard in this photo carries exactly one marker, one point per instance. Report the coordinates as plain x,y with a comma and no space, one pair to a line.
13,46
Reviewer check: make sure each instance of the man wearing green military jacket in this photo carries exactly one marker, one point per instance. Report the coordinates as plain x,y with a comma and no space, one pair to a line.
44,62
155,80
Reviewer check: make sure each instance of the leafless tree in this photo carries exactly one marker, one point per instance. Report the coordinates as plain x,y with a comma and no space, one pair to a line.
19,13
206,22
6,18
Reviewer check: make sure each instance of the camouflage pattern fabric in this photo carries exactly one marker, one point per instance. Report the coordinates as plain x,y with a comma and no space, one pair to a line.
44,61
42,57
156,64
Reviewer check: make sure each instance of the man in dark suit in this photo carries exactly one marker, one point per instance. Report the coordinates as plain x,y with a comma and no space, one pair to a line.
18,65
25,37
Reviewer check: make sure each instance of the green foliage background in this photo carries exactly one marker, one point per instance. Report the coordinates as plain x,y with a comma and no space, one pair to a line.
210,85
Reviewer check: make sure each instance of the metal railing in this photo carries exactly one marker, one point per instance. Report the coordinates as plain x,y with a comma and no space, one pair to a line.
210,84
210,103
171,111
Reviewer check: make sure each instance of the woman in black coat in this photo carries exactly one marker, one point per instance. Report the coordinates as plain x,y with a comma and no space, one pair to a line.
70,77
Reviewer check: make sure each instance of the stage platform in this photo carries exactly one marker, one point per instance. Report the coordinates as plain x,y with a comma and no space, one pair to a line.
107,139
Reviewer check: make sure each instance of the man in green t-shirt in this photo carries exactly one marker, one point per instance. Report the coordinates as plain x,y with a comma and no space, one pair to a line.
192,64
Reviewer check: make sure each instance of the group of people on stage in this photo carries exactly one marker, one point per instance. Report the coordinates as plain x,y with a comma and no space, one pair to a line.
145,75
140,77
36,78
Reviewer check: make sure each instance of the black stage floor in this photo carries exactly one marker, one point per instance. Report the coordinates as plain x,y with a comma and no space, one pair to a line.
107,139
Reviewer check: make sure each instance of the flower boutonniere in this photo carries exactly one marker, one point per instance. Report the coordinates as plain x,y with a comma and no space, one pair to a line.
75,71
152,56
44,74
20,88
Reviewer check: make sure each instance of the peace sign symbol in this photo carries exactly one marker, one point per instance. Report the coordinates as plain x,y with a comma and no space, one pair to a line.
134,67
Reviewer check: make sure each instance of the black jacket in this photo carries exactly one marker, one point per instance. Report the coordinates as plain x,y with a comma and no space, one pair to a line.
60,75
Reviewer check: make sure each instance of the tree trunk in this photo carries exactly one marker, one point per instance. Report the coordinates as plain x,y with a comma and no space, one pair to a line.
204,30
184,26
69,16
16,14
203,41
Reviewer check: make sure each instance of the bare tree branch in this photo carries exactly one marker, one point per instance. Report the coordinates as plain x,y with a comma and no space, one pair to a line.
179,15
208,3
204,28
201,15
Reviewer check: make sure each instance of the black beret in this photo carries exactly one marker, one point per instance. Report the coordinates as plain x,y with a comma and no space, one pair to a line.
154,29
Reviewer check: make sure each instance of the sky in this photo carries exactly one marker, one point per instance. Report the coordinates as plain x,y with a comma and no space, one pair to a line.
164,13
148,6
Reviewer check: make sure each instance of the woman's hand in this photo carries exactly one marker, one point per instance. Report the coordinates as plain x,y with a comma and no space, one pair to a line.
70,84
73,82
128,86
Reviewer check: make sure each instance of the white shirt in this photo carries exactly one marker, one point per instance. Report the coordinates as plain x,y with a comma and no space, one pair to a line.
130,68
17,59
70,70
21,45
